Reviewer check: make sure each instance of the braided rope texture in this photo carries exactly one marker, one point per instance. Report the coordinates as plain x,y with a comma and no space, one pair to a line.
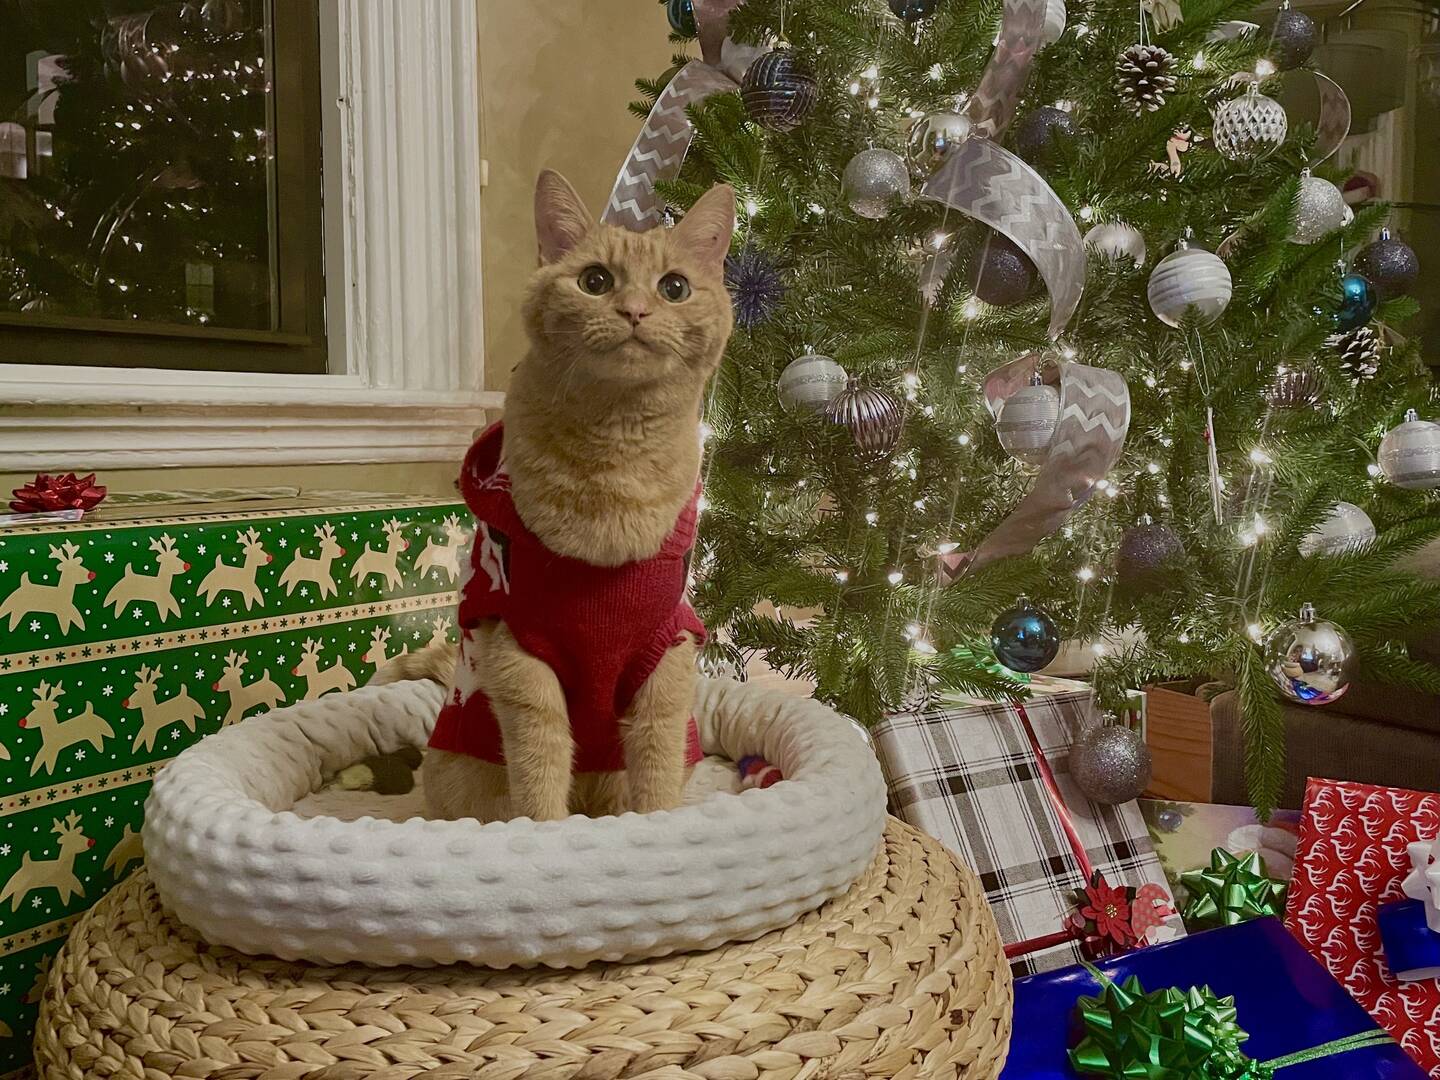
902,978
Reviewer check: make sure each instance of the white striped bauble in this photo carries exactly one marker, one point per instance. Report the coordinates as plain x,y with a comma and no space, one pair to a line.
1117,240
810,382
1054,22
1345,528
1410,453
1189,281
1026,426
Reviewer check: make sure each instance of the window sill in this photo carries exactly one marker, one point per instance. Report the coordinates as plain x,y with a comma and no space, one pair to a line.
86,419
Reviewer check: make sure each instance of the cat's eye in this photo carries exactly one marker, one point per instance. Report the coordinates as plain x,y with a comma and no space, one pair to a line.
674,287
596,280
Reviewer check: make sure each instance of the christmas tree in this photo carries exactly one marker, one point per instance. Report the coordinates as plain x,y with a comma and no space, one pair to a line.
138,188
845,534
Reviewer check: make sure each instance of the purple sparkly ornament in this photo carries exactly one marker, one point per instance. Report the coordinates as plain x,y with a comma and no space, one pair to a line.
756,287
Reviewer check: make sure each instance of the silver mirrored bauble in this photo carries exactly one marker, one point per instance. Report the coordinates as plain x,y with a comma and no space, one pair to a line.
1319,210
1027,421
1309,659
810,382
1410,453
933,137
1117,240
1189,281
874,418
874,181
1345,528
1111,764
1250,127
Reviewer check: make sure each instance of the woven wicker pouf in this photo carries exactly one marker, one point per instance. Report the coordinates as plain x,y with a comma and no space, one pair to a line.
904,977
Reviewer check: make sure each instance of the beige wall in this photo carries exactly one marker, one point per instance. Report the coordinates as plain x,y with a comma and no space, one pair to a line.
555,79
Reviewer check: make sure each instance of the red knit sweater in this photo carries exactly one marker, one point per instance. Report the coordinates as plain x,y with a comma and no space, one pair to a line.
601,629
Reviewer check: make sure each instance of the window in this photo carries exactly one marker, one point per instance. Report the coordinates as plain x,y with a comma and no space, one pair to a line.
160,184
403,372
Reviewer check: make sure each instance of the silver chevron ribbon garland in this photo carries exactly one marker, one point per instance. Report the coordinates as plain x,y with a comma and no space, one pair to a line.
660,148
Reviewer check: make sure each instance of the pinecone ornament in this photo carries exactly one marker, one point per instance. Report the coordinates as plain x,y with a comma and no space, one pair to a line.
1143,76
1358,351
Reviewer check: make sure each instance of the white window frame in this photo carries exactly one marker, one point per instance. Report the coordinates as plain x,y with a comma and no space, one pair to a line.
403,177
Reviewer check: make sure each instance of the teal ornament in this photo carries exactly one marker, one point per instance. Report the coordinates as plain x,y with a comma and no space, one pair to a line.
1357,302
1025,638
681,14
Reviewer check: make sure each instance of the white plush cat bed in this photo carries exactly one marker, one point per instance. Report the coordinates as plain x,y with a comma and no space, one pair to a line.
231,858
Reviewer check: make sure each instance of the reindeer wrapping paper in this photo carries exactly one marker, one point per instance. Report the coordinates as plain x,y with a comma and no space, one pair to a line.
130,635
1352,858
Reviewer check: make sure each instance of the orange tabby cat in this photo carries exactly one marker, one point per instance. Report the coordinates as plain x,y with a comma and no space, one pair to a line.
600,460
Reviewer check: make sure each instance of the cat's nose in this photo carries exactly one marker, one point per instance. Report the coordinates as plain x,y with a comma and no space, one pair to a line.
634,312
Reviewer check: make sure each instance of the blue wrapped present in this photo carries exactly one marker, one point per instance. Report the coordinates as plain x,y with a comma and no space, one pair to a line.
1283,999
1411,948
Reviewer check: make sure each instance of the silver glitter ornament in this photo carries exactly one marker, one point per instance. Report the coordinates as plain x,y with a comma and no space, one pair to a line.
779,91
1295,388
1111,764
1189,281
1250,127
1410,454
1027,421
933,137
1319,210
874,418
1345,528
874,181
1144,74
1292,38
1309,659
1117,240
809,382
1148,555
1391,265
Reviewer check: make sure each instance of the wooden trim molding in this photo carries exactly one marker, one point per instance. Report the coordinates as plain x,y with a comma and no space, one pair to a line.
401,133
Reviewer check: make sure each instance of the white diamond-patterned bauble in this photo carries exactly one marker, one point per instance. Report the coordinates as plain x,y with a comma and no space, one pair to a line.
1250,127
1027,421
810,382
1189,280
933,137
1345,528
1410,453
1117,240
1319,210
1309,659
874,181
1054,27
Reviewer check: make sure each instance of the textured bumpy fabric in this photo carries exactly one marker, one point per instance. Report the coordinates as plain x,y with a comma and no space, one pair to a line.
601,629
966,774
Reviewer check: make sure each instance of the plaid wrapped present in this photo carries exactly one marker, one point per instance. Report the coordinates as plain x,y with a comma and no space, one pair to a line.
967,773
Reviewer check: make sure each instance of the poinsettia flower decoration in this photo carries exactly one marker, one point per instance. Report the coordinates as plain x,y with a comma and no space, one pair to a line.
1108,907
48,493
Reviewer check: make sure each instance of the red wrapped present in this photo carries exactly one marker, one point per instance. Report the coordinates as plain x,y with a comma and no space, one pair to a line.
1351,858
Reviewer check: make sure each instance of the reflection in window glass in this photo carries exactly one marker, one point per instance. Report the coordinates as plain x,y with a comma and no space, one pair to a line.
135,162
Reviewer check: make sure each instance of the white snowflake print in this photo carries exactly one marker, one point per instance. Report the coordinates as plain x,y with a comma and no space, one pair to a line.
34,626
36,902
304,590
109,822
79,755
4,566
109,556
107,691
200,550
4,708
283,542
199,673
225,601
5,990
354,536
4,849
416,635
174,733
350,647
136,612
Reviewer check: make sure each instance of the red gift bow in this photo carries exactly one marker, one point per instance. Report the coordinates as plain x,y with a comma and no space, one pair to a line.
50,493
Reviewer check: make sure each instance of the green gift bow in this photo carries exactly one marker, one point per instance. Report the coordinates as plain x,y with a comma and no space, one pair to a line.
1234,889
1175,1034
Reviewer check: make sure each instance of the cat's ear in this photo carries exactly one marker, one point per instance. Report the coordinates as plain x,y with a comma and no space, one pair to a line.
705,232
561,220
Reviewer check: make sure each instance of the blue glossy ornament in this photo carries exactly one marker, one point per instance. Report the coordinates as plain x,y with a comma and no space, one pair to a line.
1025,638
1357,302
681,14
1169,820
